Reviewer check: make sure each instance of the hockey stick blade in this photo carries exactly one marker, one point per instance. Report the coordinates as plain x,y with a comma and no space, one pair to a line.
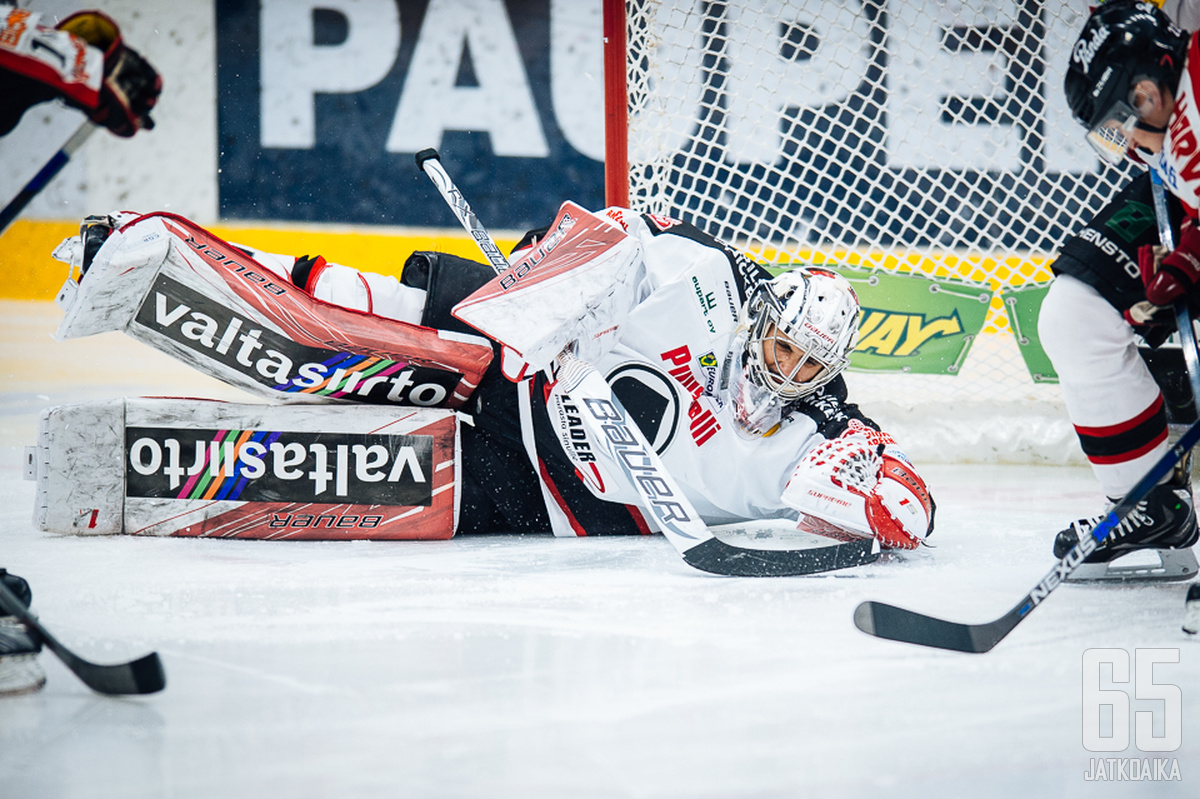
141,676
897,624
610,425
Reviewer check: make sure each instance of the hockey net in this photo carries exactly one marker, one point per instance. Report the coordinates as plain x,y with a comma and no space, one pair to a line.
923,136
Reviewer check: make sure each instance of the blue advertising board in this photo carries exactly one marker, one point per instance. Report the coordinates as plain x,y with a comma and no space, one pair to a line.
323,103
911,124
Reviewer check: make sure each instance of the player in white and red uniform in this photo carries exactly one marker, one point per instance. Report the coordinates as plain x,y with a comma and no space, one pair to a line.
733,376
83,60
1131,81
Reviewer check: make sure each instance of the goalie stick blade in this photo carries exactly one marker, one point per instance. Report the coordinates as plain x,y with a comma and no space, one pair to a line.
142,676
717,557
897,624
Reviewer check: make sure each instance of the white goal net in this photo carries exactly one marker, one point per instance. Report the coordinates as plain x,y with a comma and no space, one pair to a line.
913,136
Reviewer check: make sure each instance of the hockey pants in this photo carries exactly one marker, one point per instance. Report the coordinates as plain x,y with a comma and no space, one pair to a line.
1111,397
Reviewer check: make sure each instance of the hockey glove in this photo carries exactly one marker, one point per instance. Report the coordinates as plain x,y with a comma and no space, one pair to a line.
862,487
130,87
1180,271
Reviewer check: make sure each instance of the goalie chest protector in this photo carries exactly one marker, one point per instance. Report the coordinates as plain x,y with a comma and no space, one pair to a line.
202,468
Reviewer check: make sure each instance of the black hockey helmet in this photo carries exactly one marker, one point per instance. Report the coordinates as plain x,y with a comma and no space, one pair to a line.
1122,42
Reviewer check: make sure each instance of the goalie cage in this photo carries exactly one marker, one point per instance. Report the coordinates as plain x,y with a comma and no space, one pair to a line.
924,137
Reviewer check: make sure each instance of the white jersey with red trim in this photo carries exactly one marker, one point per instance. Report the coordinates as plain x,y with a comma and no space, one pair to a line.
666,370
1179,160
56,58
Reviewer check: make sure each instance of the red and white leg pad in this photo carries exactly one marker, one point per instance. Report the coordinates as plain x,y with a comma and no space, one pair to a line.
201,468
169,283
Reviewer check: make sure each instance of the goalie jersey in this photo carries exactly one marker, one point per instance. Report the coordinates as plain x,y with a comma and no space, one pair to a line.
666,367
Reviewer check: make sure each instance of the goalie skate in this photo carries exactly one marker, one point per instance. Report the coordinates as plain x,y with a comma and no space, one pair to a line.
1152,543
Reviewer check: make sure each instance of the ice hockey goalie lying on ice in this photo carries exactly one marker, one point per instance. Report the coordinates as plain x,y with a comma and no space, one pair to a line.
734,377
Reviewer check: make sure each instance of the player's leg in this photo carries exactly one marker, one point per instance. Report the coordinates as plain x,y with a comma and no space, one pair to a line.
1111,397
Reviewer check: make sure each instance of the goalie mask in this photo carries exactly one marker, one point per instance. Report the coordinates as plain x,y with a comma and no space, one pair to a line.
795,334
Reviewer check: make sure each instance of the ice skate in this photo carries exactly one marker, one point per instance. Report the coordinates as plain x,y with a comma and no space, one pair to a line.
1152,542
19,669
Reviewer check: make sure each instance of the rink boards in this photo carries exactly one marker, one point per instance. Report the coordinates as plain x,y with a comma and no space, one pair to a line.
204,468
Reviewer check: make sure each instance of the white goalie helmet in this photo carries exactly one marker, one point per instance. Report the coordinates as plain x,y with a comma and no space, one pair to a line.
795,334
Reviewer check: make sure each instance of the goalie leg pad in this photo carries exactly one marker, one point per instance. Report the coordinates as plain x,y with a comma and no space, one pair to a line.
176,467
169,283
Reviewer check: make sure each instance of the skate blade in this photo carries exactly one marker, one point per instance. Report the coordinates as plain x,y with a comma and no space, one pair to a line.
1143,565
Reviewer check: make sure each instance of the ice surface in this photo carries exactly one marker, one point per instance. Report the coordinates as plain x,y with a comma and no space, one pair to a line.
535,667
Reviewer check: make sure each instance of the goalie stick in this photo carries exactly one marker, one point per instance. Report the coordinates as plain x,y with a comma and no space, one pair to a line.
141,676
608,422
45,175
897,624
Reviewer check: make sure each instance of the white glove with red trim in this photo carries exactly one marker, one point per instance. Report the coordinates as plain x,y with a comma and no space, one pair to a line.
863,485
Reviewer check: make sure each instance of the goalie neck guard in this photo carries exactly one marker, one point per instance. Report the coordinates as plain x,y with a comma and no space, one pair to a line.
796,333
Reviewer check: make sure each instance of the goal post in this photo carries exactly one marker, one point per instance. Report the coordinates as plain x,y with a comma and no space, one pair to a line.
911,138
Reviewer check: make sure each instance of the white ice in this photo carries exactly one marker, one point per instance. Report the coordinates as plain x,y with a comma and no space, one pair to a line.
534,667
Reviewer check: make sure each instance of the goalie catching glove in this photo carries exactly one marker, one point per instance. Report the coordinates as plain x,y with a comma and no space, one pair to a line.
858,482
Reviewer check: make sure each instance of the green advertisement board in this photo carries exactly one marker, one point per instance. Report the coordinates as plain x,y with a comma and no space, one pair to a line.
915,324
1022,306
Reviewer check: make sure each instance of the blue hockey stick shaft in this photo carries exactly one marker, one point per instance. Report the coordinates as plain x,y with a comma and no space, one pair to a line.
46,174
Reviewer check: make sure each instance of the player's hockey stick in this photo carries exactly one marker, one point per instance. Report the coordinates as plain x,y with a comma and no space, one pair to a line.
429,162
897,624
141,676
608,422
45,175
